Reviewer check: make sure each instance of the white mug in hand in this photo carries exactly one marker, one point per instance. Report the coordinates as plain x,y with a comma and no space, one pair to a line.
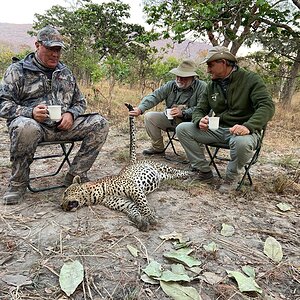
213,123
54,112
168,114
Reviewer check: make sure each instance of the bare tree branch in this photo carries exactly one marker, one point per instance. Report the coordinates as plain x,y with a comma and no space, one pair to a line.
281,25
297,3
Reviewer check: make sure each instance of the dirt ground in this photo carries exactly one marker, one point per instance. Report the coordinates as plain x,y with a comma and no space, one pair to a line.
37,237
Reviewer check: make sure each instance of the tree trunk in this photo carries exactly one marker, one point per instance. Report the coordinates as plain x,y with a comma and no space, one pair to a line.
112,83
289,87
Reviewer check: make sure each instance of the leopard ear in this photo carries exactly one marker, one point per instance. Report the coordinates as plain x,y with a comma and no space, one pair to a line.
76,179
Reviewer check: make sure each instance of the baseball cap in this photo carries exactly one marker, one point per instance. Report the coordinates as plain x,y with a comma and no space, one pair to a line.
50,37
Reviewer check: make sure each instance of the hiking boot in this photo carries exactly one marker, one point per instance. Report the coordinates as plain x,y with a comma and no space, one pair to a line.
69,179
228,185
189,168
14,195
152,151
204,176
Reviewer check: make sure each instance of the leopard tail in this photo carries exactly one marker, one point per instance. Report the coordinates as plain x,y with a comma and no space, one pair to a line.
132,133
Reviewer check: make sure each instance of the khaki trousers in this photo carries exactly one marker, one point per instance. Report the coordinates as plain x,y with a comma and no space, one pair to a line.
155,122
193,139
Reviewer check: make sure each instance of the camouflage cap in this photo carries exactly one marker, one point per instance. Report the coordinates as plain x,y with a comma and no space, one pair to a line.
50,37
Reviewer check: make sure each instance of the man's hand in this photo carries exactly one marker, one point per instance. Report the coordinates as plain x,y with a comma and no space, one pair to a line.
66,121
40,113
176,111
135,112
239,130
203,124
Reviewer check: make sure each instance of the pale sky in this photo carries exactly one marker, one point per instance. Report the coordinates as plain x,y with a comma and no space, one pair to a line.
22,12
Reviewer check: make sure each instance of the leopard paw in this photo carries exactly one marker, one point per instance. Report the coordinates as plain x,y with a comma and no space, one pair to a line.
143,226
152,220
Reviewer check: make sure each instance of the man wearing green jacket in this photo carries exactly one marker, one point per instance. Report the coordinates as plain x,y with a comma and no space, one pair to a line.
241,100
180,95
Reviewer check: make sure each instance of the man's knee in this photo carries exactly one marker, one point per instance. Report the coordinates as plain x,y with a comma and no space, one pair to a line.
241,143
100,122
183,128
148,116
154,117
99,125
25,130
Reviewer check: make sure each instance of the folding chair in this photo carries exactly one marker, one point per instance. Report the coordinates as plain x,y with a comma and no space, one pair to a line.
171,133
64,150
213,151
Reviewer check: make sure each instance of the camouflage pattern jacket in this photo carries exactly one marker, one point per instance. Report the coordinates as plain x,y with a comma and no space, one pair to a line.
24,86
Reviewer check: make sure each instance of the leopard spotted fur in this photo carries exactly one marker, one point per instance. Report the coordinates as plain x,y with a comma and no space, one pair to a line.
126,191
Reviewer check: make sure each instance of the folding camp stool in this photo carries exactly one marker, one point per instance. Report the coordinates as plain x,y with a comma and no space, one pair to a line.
64,150
213,153
171,133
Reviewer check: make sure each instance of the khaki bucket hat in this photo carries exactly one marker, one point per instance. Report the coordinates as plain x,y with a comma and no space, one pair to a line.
186,69
218,52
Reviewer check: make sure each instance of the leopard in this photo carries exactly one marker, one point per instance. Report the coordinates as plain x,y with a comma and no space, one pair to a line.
126,191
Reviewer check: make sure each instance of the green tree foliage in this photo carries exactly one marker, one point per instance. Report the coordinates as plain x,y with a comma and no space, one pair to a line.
229,23
232,24
5,59
6,56
99,43
92,32
282,42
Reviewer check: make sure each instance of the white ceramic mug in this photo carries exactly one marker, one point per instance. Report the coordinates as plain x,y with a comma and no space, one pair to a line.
54,112
168,114
213,123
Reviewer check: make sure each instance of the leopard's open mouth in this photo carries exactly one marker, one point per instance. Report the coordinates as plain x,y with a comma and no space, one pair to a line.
71,205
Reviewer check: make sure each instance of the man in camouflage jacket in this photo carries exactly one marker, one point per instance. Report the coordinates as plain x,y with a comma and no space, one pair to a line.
27,89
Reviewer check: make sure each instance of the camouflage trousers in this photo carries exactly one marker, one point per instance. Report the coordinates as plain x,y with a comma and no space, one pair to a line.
26,133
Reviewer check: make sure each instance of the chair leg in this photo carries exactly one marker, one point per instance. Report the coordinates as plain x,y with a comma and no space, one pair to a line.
66,156
171,138
247,171
212,159
65,153
170,142
214,156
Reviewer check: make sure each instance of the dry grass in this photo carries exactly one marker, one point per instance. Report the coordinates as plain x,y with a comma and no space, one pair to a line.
98,100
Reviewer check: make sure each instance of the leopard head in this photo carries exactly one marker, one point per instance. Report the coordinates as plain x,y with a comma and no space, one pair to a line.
75,196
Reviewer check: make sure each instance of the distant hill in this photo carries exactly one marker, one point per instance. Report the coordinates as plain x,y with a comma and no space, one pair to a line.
186,49
16,38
